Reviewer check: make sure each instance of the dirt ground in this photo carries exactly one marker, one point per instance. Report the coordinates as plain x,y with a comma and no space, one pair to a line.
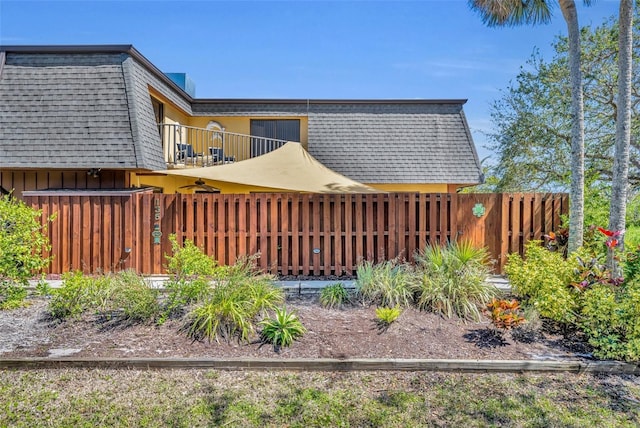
350,332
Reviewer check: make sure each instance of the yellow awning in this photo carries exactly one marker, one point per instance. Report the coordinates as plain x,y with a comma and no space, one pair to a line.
290,168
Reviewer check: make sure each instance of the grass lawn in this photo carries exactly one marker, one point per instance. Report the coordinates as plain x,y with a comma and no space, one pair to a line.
193,398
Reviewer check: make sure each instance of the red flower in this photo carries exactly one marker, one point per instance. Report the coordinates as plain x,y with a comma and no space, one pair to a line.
611,243
609,233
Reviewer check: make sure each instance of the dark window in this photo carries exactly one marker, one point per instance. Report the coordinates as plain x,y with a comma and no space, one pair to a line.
158,110
279,129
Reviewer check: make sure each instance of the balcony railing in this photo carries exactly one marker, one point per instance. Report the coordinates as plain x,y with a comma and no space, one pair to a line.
187,146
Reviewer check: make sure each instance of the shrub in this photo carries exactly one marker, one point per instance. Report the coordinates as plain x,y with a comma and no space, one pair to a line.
181,293
75,296
124,295
188,261
388,283
12,295
282,330
334,295
542,280
452,280
22,246
505,314
385,316
232,307
130,298
609,318
631,265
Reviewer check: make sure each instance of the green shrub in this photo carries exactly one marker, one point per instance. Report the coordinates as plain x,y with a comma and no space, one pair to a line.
43,288
73,297
334,295
388,283
129,298
232,307
283,329
452,280
610,319
188,261
385,316
631,265
180,293
22,246
124,295
12,295
543,280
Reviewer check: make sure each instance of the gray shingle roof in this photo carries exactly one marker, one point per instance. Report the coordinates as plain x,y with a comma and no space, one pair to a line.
77,110
395,142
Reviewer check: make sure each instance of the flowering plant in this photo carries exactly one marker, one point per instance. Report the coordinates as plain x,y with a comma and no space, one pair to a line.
612,237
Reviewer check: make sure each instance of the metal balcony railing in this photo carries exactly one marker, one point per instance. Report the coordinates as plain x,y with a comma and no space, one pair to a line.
188,146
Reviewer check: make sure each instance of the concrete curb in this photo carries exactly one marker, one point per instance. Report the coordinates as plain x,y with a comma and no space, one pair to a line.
461,366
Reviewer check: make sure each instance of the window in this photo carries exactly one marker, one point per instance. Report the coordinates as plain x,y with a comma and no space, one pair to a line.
158,110
279,129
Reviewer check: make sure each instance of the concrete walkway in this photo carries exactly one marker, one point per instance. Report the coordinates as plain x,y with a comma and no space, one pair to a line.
301,287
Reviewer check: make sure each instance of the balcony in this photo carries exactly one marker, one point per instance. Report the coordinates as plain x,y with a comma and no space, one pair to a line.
190,147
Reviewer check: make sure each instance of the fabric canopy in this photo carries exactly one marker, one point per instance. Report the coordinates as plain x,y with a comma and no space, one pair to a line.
289,167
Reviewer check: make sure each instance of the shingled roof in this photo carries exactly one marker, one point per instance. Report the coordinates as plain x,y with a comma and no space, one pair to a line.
76,107
395,141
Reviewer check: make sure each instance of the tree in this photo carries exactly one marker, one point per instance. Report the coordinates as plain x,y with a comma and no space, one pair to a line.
532,128
619,185
518,12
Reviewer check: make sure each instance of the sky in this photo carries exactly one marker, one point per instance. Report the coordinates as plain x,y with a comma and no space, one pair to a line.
308,49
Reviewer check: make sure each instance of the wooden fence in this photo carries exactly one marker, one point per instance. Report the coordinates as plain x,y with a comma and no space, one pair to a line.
295,234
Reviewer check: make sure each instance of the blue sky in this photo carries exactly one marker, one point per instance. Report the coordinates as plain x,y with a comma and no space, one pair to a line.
429,49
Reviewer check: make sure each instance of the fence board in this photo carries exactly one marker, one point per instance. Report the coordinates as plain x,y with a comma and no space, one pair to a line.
327,237
93,233
295,234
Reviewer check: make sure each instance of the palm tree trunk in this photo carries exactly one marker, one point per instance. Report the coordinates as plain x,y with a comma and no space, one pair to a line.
620,185
576,193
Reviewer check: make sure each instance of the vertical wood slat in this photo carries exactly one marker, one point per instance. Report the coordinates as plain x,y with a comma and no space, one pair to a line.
359,229
370,227
64,233
348,231
392,250
284,252
232,236
295,234
433,218
338,227
412,245
221,233
315,214
76,233
327,234
273,233
400,215
306,236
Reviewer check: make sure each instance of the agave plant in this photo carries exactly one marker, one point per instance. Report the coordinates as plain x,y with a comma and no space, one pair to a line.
283,329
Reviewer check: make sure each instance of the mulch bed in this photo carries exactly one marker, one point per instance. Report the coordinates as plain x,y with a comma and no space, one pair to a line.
350,332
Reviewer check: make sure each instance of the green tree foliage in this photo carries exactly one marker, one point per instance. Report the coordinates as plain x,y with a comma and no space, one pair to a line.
22,245
532,120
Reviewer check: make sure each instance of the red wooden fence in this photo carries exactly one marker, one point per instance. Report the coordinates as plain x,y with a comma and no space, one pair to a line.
295,234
